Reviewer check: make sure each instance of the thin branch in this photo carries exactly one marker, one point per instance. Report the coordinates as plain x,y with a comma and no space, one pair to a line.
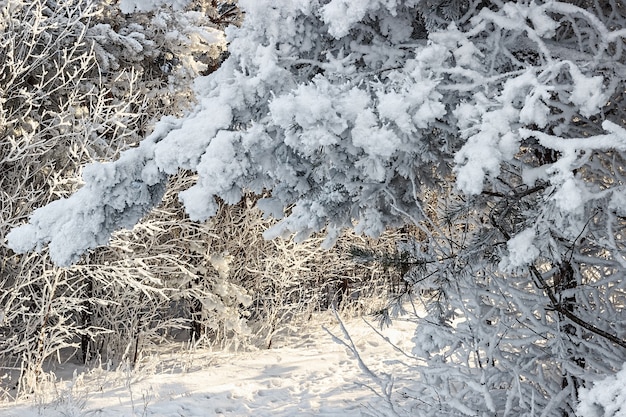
558,306
386,386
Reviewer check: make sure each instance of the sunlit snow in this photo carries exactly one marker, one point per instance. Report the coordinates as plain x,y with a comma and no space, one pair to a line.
305,374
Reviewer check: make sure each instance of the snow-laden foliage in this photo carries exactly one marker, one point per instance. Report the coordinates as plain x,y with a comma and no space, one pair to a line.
350,119
302,145
496,128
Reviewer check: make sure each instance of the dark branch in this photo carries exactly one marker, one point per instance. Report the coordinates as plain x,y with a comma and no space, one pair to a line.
559,307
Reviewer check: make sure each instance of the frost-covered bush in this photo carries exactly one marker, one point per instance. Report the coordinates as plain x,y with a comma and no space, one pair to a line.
225,284
495,128
54,116
63,104
288,282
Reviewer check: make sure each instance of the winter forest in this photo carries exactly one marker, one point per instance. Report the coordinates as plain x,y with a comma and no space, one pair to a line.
213,174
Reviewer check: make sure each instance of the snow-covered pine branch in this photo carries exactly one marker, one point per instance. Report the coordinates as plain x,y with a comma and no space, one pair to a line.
344,112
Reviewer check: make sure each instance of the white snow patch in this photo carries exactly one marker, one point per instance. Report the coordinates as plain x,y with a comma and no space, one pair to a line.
587,92
607,398
375,140
522,251
569,196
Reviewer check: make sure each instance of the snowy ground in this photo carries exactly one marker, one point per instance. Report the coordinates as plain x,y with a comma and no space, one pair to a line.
303,375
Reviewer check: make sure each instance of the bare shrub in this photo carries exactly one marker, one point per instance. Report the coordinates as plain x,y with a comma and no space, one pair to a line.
232,286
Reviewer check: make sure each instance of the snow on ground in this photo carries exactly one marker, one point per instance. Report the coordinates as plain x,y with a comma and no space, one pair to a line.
308,374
